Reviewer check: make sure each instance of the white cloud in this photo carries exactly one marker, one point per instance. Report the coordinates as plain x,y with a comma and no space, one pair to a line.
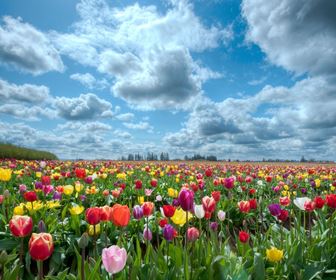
22,93
126,117
89,81
91,126
297,35
86,106
147,53
27,48
139,126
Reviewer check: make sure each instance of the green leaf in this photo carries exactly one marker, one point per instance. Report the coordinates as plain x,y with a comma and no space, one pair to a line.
9,244
258,267
311,271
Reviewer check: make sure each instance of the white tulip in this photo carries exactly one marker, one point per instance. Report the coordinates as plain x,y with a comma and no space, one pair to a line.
199,211
300,202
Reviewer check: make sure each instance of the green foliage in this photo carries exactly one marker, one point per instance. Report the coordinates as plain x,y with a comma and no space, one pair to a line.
12,151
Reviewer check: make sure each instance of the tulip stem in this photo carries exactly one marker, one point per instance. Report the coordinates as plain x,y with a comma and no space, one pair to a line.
186,273
94,242
83,263
40,269
21,251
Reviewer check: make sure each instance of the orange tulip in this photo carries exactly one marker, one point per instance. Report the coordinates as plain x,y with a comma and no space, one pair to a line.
120,215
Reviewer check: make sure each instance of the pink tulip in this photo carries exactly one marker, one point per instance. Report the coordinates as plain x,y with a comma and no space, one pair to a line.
114,259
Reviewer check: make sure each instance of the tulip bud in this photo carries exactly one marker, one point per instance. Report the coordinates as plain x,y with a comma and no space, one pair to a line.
83,241
6,194
42,226
199,211
147,234
3,257
41,246
221,215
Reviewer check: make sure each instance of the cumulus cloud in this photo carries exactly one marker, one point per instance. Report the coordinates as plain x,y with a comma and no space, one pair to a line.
26,101
27,48
146,52
91,126
297,35
89,81
22,93
139,126
126,117
298,120
86,106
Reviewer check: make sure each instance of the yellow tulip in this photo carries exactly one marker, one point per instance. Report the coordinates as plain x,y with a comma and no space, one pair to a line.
141,200
19,210
76,209
37,205
318,183
53,204
5,174
91,229
172,192
38,174
179,217
274,254
78,186
121,176
68,189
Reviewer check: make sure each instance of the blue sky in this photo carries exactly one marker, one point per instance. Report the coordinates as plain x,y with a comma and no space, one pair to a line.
101,79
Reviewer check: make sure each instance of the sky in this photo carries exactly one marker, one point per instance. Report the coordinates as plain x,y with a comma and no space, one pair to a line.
247,79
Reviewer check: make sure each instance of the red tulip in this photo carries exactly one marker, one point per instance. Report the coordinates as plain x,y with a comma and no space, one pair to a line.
21,226
30,196
216,195
93,215
209,204
283,215
80,173
319,202
153,183
46,180
163,222
244,236
120,215
253,203
284,201
168,210
331,200
244,206
41,246
138,184
309,206
208,172
147,208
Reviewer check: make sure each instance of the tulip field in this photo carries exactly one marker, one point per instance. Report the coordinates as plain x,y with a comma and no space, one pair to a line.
167,220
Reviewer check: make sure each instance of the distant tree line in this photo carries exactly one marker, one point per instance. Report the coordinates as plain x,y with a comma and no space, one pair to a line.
10,151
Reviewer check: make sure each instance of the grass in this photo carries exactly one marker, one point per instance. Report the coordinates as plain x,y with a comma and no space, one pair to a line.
10,151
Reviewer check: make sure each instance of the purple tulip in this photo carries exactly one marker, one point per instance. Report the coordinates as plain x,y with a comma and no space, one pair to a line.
88,180
275,209
304,190
214,226
57,196
176,202
38,185
147,234
137,212
186,199
168,232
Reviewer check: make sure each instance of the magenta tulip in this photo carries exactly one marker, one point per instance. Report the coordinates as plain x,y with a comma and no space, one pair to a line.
186,199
